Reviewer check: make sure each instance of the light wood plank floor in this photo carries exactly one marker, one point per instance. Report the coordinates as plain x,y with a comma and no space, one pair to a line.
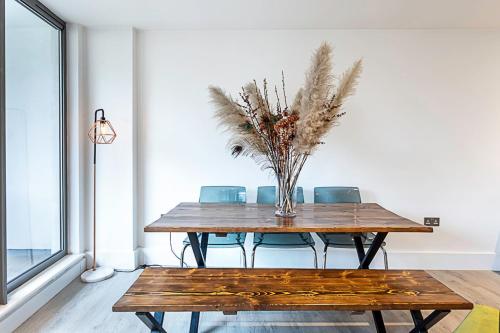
81,308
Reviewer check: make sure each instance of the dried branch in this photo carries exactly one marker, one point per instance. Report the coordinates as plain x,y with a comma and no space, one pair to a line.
348,83
283,137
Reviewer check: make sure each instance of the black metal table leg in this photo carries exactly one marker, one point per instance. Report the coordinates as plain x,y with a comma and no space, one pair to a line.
365,260
204,244
360,250
423,325
197,249
372,250
200,254
154,323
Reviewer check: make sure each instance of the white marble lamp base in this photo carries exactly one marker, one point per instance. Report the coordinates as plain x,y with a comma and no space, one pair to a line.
100,274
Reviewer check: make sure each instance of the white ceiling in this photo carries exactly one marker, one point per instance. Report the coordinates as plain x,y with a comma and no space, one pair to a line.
281,14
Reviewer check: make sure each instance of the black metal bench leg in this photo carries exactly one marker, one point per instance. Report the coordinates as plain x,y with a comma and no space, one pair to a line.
423,325
379,321
200,254
418,320
154,323
195,321
159,318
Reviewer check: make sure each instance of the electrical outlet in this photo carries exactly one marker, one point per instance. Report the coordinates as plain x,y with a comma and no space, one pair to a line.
431,221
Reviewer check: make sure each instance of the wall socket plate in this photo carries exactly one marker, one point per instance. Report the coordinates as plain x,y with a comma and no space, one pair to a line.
431,221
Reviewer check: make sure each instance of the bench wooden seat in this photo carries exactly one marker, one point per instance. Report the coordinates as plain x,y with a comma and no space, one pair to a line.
235,289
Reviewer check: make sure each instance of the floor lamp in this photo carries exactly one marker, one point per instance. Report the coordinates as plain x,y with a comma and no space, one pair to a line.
101,132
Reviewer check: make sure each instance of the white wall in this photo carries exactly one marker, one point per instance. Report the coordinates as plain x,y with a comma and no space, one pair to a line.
77,115
421,135
110,81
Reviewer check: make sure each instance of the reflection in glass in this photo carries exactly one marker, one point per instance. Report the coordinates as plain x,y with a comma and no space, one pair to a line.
32,63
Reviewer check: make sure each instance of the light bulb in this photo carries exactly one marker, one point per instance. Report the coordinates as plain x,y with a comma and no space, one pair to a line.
104,128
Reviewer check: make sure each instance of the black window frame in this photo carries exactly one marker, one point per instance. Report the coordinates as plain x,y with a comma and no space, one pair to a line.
50,18
3,236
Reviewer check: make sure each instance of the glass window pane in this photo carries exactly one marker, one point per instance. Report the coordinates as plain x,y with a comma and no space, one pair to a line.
32,63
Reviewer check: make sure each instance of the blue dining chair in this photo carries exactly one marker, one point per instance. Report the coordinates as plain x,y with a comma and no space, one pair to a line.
336,194
228,195
266,196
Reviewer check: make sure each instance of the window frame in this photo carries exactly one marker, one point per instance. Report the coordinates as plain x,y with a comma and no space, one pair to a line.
50,18
3,247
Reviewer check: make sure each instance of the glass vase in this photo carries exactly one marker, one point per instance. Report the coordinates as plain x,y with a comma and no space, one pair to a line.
286,199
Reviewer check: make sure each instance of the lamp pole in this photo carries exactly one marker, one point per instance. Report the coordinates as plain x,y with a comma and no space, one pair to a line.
94,169
101,132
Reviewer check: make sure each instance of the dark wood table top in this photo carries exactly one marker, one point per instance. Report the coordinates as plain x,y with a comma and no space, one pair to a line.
233,289
224,218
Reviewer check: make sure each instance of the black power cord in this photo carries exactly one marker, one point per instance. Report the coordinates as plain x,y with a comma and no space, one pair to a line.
156,265
172,248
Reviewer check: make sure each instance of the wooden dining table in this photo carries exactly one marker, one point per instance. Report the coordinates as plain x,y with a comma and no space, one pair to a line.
220,219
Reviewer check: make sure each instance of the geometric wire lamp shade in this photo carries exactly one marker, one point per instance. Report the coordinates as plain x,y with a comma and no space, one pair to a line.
102,132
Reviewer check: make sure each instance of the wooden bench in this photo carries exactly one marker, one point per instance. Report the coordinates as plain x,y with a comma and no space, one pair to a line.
232,289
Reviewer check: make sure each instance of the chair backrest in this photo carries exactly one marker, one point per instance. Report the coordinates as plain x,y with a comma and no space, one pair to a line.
223,194
336,194
300,195
266,195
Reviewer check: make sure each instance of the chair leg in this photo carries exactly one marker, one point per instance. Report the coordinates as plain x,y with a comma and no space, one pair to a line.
315,257
325,252
386,263
244,253
253,255
182,254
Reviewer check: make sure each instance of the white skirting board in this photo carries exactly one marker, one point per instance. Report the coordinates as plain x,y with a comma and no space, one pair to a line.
119,260
496,264
23,302
337,258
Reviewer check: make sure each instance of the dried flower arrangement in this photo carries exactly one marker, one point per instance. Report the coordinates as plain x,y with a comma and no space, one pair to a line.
281,137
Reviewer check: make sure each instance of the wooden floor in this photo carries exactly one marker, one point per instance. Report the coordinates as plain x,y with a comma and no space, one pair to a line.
81,308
